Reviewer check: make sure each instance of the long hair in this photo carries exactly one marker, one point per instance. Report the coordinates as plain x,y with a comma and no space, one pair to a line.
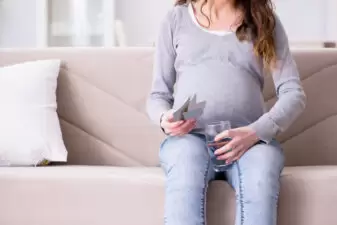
257,26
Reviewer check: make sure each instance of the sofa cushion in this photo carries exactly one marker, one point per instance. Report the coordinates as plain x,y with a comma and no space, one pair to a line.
129,196
81,195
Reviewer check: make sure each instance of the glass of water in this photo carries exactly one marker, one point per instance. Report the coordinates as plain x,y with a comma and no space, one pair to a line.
211,131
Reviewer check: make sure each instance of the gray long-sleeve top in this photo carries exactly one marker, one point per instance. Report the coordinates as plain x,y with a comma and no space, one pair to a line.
226,74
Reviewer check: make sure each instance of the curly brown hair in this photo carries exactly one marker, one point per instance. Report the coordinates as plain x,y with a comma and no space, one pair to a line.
257,26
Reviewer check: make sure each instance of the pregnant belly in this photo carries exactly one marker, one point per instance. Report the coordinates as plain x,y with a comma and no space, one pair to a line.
233,95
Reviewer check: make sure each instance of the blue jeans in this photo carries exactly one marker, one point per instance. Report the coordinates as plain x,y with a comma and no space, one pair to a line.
254,177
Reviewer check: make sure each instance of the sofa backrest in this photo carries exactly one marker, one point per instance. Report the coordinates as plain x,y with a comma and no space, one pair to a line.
101,105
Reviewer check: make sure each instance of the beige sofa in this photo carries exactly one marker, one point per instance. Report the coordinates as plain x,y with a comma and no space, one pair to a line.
112,177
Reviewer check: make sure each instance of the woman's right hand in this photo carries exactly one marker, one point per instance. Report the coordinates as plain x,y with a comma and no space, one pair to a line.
178,128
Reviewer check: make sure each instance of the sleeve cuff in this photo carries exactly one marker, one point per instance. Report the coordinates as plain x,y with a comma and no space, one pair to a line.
157,111
265,128
161,118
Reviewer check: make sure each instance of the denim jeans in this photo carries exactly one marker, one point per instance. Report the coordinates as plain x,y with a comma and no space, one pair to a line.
188,170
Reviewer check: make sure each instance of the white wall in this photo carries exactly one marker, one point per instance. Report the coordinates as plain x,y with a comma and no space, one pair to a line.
17,23
304,20
308,20
141,19
332,20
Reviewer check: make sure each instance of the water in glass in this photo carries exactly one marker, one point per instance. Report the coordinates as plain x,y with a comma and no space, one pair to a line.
211,130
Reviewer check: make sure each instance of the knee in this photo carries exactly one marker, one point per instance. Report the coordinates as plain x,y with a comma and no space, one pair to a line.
188,150
184,158
266,160
260,173
260,186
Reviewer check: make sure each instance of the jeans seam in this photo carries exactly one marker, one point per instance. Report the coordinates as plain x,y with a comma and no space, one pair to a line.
241,194
203,202
167,168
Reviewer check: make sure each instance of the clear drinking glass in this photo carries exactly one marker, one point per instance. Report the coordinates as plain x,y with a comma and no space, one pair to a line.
211,130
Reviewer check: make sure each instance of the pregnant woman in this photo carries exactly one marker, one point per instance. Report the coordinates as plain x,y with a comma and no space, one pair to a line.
222,50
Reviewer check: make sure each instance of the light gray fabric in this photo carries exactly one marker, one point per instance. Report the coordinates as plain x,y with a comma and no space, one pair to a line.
224,72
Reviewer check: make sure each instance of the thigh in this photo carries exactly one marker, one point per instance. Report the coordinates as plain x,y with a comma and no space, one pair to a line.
258,171
186,163
255,178
185,156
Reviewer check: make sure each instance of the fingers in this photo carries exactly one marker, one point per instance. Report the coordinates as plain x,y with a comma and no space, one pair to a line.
231,151
184,128
177,128
237,157
187,126
242,139
169,116
232,155
228,147
224,135
172,125
220,143
167,123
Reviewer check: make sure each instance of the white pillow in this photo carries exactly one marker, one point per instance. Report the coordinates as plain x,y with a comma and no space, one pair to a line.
29,126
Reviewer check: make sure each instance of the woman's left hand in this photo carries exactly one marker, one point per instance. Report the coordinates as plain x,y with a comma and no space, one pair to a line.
242,139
